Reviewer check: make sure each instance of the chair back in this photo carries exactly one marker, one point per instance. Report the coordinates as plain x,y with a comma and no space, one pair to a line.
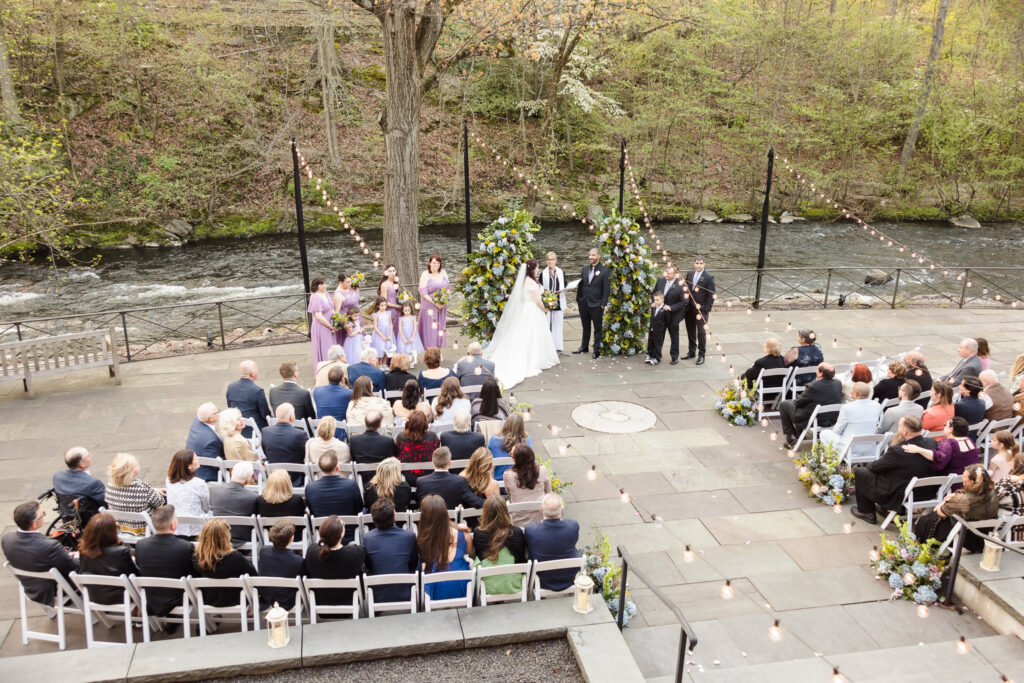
793,387
872,447
255,583
548,565
525,568
122,610
295,468
301,528
380,580
127,521
182,614
353,608
768,398
459,575
210,615
489,428
356,522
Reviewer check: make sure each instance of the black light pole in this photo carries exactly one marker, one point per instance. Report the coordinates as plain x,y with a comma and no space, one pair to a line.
299,221
465,179
764,226
622,174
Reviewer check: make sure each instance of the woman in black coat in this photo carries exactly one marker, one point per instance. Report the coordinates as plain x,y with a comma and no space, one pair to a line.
771,360
101,552
215,558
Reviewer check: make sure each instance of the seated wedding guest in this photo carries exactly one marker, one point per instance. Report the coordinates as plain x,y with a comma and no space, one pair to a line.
101,552
247,396
997,397
472,368
434,374
333,494
76,482
953,453
325,440
278,561
984,355
971,406
216,558
366,368
908,393
553,538
335,359
28,550
796,414
882,482
165,556
489,405
859,373
332,400
976,501
412,399
805,354
189,494
1007,452
233,499
330,559
279,498
459,440
496,532
229,428
526,482
1016,374
363,400
398,373
452,488
127,493
285,441
941,408
443,546
449,401
290,392
771,360
889,387
1010,489
513,432
387,483
371,445
389,550
856,418
416,444
969,364
479,473
917,370
204,439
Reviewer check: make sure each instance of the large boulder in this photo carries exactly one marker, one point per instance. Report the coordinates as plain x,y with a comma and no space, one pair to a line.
867,188
787,217
663,188
739,218
965,221
594,213
177,228
877,277
704,216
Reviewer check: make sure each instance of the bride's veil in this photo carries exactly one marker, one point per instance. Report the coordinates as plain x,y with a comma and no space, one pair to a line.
513,309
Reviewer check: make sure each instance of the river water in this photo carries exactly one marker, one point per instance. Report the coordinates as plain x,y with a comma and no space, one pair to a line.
230,269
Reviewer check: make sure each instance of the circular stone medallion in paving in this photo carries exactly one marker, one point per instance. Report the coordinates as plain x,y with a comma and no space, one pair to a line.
613,417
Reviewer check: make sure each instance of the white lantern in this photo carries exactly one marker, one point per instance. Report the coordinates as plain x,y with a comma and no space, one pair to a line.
584,592
277,625
991,557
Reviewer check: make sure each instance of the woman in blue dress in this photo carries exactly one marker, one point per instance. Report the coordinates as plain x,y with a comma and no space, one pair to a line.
443,547
513,433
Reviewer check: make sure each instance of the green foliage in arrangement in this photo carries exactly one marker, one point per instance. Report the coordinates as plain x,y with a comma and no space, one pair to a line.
631,276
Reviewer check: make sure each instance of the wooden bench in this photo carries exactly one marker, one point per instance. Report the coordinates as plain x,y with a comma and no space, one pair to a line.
58,354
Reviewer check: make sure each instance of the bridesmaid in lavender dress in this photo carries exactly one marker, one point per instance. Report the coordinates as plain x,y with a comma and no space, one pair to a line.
346,300
432,318
321,332
389,290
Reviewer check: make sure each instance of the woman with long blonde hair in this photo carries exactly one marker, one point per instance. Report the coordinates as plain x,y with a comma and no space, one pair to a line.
479,473
325,440
215,558
388,482
279,498
513,432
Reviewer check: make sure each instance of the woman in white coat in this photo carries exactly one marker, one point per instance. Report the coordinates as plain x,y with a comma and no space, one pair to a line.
856,418
553,280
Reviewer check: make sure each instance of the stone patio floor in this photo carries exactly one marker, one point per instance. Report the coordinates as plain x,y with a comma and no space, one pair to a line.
730,493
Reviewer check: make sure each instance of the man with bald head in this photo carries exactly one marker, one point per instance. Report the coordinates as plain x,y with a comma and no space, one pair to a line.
285,441
824,390
472,368
76,481
204,441
998,399
248,397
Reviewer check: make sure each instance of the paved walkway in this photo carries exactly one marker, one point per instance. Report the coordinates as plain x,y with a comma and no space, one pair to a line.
728,492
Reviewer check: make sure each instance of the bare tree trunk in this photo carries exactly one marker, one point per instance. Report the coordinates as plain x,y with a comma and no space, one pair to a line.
926,87
328,84
8,97
58,49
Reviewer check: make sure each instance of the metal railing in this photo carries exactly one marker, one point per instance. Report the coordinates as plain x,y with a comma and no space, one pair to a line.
687,638
958,547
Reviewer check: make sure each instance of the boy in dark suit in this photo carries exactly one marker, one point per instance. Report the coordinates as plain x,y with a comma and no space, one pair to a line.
656,329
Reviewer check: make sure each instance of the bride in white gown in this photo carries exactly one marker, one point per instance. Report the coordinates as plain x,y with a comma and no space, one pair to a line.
522,345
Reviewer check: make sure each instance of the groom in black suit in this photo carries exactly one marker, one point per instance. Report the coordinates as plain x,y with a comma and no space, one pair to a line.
672,289
592,297
700,293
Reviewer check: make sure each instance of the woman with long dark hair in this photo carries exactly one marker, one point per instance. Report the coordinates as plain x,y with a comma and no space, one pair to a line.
489,405
189,494
443,546
346,302
411,401
364,399
433,318
388,288
416,444
321,331
101,552
526,482
328,559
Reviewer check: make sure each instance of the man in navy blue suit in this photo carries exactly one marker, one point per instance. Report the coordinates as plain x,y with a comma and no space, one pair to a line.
76,481
333,494
554,539
389,550
365,368
245,395
278,561
204,441
333,398
453,488
285,441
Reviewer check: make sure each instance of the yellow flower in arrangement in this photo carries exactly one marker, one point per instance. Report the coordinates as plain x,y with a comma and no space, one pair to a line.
513,232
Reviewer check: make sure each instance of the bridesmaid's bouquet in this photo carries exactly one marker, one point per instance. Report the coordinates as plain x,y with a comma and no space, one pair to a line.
440,298
550,300
357,279
340,320
404,297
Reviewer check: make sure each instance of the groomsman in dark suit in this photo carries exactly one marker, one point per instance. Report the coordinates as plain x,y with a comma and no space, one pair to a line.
672,289
591,297
700,290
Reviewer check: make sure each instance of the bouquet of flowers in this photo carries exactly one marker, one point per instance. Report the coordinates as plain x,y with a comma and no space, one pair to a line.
909,566
550,300
600,565
440,298
405,297
823,474
357,279
340,320
735,405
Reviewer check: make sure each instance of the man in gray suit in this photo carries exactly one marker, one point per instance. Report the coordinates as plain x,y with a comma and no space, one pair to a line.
291,392
908,393
969,363
472,368
234,500
30,551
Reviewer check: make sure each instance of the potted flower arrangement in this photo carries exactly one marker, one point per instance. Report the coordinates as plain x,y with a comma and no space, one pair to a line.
601,566
823,474
735,404
909,566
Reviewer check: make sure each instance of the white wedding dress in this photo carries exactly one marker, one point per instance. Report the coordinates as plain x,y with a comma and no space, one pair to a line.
522,345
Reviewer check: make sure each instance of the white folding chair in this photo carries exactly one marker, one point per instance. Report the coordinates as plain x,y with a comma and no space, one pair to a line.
381,580
984,440
466,514
393,395
431,393
911,505
302,532
486,572
121,611
353,609
489,428
355,522
210,615
257,436
252,546
933,433
1013,531
851,455
459,575
398,426
354,429
540,593
412,518
215,463
63,592
768,398
524,506
255,583
792,387
126,521
977,428
889,403
989,526
813,427
181,614
294,468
